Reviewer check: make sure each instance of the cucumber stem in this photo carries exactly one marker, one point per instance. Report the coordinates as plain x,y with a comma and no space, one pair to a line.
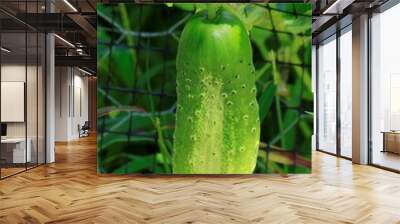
212,9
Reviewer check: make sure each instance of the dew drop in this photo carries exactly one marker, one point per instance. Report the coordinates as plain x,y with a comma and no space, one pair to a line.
245,117
197,113
193,138
223,67
237,76
252,104
202,69
202,95
229,103
241,149
233,92
254,90
243,86
190,119
188,80
253,130
180,107
224,95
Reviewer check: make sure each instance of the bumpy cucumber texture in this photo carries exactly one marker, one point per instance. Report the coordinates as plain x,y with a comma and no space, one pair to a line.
217,123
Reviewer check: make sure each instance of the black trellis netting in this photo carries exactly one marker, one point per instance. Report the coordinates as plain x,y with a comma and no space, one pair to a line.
137,47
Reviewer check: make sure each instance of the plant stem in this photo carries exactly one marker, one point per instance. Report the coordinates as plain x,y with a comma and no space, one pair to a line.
277,81
163,147
160,137
127,25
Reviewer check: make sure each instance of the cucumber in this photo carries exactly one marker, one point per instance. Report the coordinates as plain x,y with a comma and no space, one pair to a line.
217,123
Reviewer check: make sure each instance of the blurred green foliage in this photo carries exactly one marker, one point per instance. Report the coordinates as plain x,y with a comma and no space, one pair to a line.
137,47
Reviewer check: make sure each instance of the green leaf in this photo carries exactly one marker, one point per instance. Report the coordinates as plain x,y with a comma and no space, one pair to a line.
262,70
186,6
137,164
290,136
123,66
266,100
153,71
253,15
259,38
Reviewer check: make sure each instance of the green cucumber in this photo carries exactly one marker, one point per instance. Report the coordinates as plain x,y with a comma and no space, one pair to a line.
217,123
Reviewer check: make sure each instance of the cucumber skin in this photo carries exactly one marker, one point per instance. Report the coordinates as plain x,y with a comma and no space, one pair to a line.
217,124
